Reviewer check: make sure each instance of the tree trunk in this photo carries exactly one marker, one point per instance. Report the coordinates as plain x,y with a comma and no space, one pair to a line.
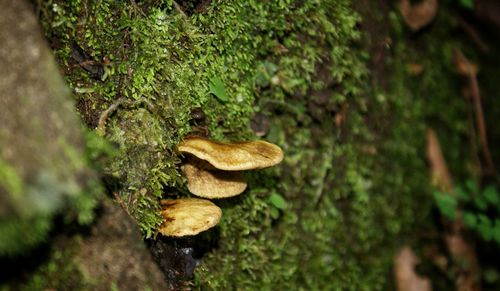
345,88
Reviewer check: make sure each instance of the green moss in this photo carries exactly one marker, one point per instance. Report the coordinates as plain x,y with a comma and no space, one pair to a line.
436,94
162,64
10,181
350,191
21,234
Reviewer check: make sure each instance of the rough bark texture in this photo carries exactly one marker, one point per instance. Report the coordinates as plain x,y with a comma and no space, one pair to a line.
41,142
39,129
43,172
115,255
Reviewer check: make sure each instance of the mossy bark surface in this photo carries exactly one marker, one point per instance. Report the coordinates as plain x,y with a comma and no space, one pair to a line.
42,168
340,101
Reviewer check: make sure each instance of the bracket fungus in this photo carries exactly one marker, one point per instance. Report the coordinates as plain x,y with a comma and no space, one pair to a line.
213,183
188,216
238,156
214,169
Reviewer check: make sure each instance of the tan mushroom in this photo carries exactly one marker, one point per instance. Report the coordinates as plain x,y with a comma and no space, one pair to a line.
233,156
188,216
213,183
214,169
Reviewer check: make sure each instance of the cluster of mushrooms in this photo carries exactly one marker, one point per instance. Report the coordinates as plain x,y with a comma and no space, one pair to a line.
213,170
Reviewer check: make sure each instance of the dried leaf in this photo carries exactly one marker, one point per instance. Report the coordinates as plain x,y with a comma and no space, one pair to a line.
415,69
463,66
460,250
341,117
440,175
465,259
419,15
404,270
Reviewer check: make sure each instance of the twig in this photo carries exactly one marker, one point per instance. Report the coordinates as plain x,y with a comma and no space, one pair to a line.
179,9
137,8
101,126
478,109
474,35
468,70
120,201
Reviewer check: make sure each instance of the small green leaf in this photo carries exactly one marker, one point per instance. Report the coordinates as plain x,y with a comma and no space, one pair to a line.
484,227
490,193
461,194
484,219
480,202
471,187
469,4
470,219
447,204
486,232
496,231
217,88
277,201
333,211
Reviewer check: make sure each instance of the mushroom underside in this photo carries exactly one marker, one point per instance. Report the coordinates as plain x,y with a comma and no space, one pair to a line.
213,183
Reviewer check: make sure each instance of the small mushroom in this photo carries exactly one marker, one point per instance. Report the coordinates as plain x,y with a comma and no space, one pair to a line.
188,216
214,169
213,183
239,156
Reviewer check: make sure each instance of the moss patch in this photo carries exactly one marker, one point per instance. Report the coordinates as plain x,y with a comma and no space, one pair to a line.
354,166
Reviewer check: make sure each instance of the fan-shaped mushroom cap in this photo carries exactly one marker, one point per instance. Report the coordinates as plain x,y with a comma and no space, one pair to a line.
233,156
213,183
188,216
